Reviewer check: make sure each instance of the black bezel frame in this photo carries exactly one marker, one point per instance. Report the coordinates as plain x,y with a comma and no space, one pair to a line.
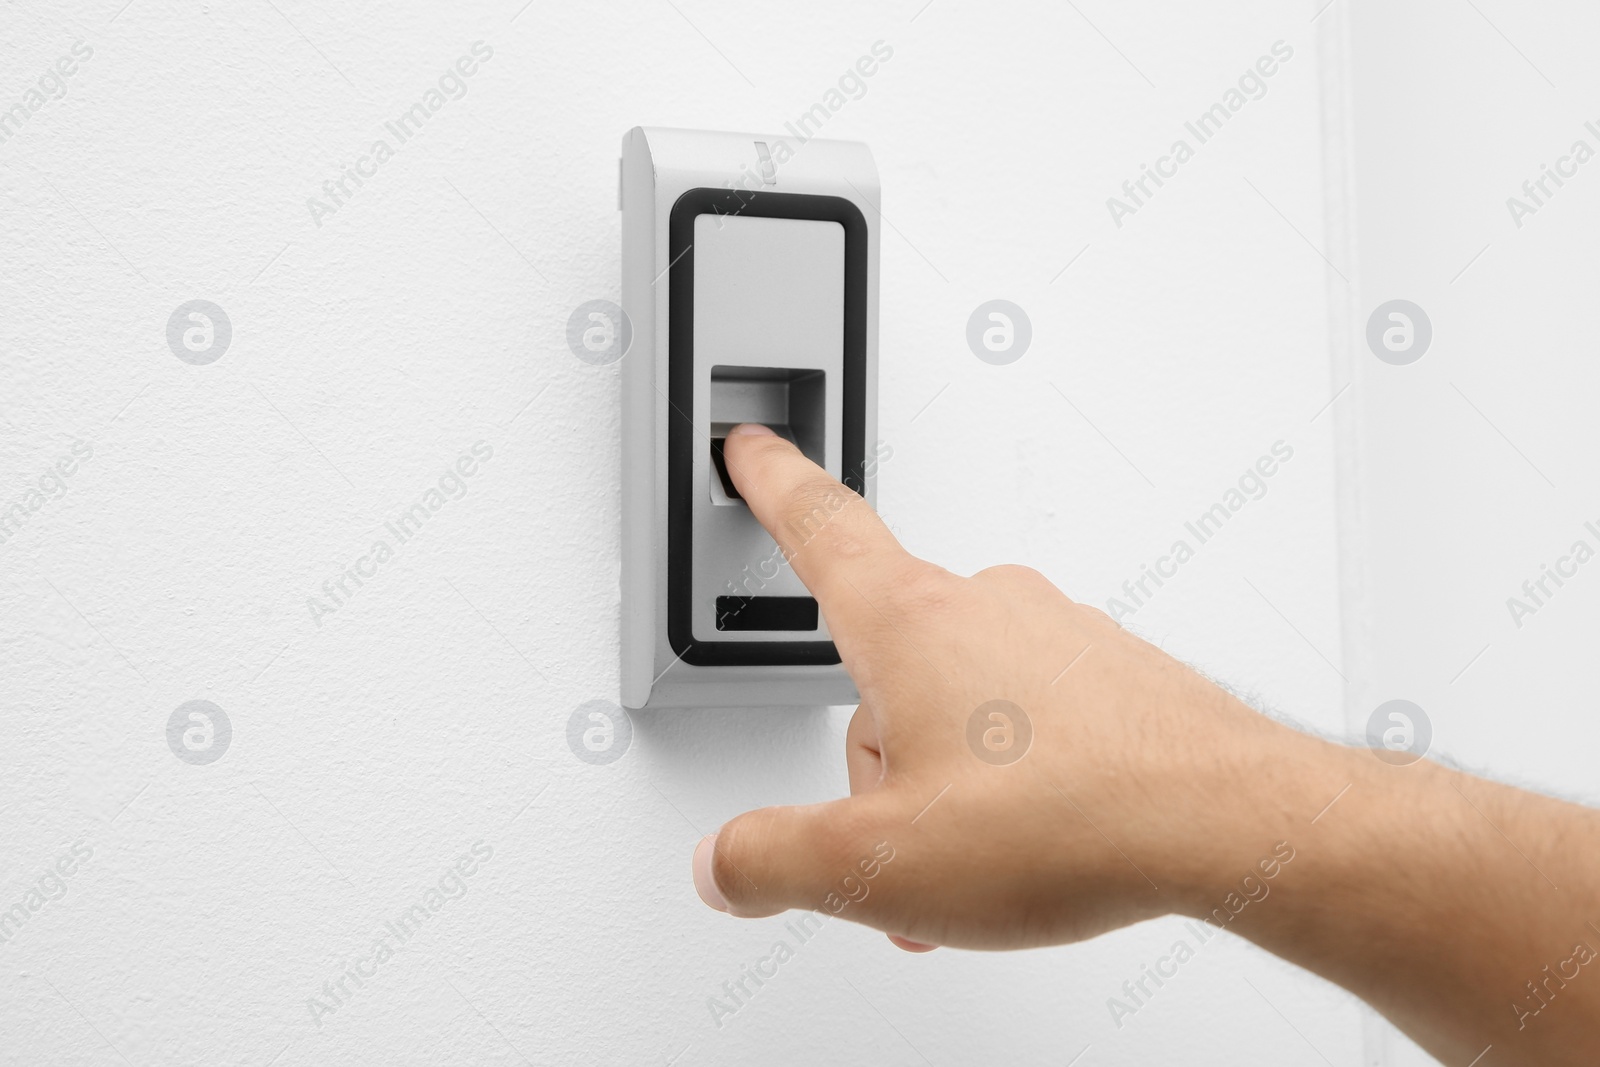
680,394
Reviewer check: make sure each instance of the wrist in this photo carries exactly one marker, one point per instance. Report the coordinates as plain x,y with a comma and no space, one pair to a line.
1317,857
1260,810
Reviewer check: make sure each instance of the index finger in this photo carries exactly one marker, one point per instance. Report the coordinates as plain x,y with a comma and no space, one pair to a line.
837,544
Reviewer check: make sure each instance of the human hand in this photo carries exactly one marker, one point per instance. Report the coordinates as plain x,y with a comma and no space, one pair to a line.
1116,784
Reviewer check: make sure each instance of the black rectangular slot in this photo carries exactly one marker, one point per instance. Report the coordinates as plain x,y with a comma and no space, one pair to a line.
766,613
720,462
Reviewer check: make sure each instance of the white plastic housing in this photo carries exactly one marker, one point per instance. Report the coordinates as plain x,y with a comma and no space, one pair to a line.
771,260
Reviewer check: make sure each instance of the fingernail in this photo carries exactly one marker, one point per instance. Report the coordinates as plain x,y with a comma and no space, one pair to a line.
751,429
704,883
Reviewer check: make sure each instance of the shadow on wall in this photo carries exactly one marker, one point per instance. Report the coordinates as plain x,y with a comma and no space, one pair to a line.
686,743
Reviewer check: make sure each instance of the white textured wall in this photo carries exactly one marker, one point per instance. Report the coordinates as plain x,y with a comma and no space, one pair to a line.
1478,459
375,745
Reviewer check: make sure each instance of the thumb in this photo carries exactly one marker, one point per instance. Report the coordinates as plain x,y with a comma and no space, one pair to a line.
773,859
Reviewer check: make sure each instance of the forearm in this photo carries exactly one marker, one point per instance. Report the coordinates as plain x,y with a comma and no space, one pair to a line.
1466,911
1046,776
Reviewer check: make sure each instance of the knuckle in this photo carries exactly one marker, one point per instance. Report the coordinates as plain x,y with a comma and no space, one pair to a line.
813,507
763,446
1096,617
865,824
922,589
1014,575
852,837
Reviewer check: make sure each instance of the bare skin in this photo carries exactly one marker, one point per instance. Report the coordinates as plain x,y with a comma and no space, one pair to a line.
1465,911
